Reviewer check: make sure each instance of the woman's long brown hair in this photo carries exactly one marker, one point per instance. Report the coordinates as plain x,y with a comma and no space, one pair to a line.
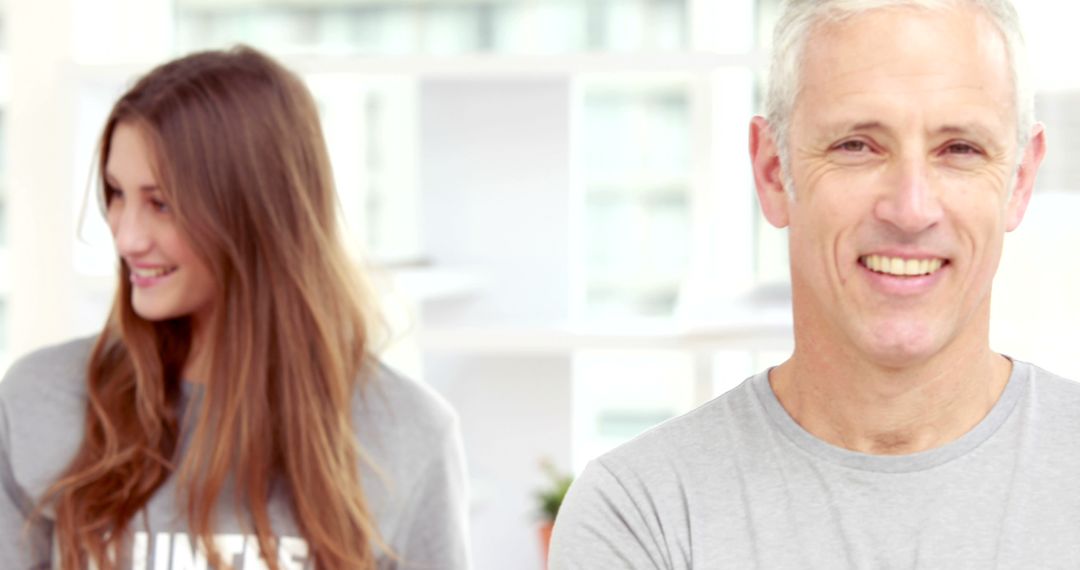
241,160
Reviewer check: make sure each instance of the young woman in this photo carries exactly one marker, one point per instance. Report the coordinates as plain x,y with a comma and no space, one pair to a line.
230,414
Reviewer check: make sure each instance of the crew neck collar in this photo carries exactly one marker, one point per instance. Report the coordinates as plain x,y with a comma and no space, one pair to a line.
1014,391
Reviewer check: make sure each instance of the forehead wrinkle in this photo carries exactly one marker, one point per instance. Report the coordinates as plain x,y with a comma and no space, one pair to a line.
896,95
835,65
841,128
863,61
877,114
840,67
877,106
952,128
971,128
846,123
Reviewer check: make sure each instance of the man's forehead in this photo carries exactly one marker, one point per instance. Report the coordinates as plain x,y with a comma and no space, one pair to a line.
984,128
863,41
862,68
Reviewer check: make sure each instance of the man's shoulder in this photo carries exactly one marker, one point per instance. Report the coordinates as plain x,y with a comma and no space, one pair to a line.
1054,397
1050,381
639,504
700,440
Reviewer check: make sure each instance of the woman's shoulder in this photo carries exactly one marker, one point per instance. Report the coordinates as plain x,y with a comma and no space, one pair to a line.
393,403
411,443
48,372
42,406
402,424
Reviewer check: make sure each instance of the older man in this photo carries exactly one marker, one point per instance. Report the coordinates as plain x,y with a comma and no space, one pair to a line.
899,148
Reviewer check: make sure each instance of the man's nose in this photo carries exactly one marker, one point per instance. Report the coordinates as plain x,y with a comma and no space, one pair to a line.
910,202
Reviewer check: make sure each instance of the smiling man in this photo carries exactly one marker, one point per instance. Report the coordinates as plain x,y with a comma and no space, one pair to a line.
898,150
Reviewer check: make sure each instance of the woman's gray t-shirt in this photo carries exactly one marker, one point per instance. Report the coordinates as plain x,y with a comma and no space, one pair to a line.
416,497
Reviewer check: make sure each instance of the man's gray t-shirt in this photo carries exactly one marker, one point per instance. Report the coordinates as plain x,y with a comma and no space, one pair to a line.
416,497
738,484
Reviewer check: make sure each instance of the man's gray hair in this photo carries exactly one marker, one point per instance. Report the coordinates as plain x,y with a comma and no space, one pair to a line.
799,17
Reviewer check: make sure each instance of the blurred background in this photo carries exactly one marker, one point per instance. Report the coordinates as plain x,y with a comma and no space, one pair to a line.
553,197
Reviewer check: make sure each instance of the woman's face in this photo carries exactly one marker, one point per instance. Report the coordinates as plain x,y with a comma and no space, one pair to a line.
167,279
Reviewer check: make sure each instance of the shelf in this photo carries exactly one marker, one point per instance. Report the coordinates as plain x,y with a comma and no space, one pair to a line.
5,269
481,65
421,284
764,334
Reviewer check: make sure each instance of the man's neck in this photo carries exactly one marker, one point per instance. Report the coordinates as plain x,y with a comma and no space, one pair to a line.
887,411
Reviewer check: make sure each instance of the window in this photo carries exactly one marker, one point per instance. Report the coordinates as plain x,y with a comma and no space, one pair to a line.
437,28
3,221
618,394
3,328
635,161
370,129
5,237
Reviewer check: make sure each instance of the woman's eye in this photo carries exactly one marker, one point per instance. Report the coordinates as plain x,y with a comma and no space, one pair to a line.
159,205
112,194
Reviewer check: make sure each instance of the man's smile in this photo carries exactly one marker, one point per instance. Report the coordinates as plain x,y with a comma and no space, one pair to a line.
902,267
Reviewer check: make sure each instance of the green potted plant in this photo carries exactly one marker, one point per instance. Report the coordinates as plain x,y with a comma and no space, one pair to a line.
550,498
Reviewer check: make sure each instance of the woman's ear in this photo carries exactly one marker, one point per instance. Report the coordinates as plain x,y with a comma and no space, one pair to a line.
768,177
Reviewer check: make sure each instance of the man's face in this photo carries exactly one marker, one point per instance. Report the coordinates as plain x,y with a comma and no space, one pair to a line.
903,151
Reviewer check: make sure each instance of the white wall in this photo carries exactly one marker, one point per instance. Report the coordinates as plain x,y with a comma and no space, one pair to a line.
38,147
1036,302
495,194
515,411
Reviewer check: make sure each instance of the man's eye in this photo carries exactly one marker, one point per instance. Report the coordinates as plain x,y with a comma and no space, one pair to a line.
853,146
961,148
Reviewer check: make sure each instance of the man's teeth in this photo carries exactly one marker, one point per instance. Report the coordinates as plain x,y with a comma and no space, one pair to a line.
155,272
902,267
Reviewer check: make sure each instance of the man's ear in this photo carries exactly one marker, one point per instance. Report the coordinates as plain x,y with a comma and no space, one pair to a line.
1025,178
768,178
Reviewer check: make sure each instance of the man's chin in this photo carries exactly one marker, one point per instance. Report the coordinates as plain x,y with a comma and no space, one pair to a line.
903,349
